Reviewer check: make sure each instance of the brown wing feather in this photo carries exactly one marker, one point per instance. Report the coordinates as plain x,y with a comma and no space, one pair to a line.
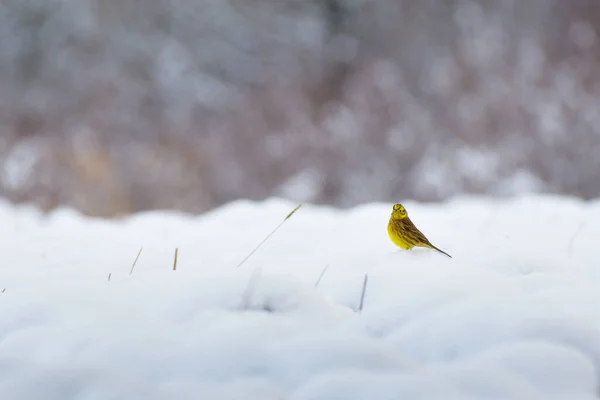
415,234
417,237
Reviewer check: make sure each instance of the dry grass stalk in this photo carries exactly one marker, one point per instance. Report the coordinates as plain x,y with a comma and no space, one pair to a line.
175,259
269,235
321,275
135,261
364,290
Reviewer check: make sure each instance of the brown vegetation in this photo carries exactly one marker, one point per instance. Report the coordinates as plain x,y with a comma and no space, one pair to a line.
116,106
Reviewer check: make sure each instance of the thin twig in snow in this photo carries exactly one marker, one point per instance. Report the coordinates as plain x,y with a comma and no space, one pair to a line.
269,235
321,276
135,261
364,290
109,275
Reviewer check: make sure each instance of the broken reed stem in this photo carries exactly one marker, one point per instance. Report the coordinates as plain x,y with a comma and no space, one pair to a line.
109,275
135,261
321,276
364,290
3,290
269,235
175,259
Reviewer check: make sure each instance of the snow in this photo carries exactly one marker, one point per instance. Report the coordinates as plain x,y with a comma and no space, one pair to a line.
515,314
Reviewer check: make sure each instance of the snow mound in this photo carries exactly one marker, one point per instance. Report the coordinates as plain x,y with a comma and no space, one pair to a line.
515,314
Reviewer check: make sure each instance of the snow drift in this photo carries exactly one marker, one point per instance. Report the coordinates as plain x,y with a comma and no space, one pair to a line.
515,314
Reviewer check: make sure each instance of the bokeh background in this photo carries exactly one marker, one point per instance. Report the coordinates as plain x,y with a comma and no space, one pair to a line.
117,106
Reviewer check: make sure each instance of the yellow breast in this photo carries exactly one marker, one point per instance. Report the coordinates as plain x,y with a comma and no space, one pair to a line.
397,237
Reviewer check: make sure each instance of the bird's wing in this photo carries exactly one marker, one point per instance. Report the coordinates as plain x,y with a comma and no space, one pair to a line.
418,238
415,234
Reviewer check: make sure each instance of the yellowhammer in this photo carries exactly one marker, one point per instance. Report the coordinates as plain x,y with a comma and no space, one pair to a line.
404,233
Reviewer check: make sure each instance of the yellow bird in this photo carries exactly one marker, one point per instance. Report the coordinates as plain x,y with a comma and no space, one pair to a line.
405,234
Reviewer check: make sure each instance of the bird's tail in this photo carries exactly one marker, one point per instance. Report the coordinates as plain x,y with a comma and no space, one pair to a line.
441,251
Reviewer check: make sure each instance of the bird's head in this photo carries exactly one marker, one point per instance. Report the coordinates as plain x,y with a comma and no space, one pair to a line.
399,212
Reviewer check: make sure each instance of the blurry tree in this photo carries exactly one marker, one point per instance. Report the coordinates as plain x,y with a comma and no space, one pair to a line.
115,106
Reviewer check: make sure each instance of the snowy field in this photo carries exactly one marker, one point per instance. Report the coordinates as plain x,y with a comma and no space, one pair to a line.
515,314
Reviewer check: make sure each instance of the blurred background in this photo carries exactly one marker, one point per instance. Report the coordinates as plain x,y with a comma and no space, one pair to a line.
117,106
